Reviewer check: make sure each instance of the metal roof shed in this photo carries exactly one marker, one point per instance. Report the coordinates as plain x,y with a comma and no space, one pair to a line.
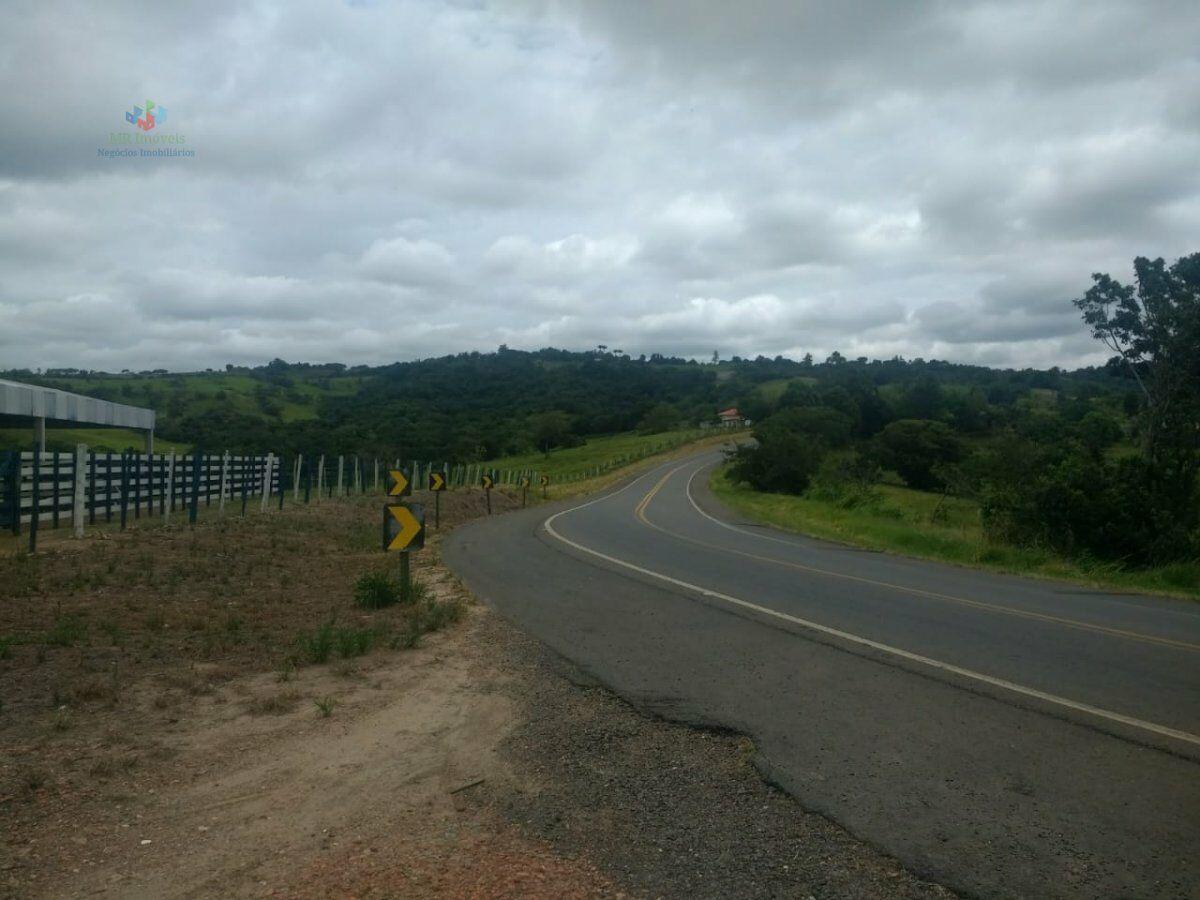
42,403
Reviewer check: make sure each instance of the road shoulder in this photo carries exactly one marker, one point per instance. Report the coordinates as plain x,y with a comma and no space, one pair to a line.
480,764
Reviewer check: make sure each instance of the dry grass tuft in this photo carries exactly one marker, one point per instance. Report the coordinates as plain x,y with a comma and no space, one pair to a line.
273,704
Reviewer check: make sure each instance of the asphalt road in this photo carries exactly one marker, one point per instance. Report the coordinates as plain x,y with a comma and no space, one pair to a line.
1004,736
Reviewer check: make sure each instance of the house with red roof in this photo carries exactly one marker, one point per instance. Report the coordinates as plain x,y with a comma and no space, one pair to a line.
731,418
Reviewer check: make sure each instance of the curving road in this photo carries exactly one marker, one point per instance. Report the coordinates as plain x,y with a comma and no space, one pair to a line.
1005,736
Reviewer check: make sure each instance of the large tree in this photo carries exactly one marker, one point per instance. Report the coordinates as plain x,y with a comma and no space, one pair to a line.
1154,328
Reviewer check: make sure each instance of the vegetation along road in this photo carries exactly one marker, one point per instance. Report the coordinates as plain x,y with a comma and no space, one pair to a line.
998,734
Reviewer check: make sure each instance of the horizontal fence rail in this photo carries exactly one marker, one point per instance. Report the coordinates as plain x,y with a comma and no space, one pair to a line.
103,486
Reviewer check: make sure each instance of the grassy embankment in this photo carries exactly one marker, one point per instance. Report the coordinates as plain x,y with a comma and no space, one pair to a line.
904,521
599,453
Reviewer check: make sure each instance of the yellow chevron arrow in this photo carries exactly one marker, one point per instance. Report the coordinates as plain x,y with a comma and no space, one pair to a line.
488,482
545,480
525,481
437,481
410,528
399,483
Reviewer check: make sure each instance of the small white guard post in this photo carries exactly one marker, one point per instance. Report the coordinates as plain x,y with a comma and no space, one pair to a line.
79,496
170,498
266,482
224,483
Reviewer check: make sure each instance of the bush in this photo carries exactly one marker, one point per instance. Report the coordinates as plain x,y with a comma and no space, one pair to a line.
68,630
659,418
781,462
1081,505
436,615
377,590
847,481
316,647
915,447
550,429
352,642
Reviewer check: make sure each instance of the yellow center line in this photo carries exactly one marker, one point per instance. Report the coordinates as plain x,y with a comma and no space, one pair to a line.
640,513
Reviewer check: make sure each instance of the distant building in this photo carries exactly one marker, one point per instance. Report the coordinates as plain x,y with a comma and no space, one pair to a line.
731,418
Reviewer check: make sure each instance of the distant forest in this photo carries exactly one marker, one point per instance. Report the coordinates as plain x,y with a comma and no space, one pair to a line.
476,406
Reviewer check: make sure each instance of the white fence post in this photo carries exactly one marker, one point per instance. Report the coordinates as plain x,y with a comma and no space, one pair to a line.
296,479
224,482
79,497
170,499
266,482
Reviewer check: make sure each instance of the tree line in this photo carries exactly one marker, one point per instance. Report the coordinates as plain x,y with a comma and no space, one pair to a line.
1101,463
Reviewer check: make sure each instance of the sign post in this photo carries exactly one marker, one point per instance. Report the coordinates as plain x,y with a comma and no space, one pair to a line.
545,480
437,484
488,482
525,480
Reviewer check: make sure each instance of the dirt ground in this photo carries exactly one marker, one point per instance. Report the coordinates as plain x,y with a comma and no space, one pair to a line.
166,735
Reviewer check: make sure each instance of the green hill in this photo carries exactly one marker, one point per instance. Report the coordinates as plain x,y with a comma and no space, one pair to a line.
484,406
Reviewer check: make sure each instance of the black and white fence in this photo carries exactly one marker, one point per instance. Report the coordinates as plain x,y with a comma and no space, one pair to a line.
81,488
84,487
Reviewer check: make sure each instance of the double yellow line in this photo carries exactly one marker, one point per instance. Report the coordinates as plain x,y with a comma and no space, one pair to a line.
640,511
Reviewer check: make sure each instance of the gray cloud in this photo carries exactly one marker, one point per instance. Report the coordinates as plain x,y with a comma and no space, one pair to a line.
928,179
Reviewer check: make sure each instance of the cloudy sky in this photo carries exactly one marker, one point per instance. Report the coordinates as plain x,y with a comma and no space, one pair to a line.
375,181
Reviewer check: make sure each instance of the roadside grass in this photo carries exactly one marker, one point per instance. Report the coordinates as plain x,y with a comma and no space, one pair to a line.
708,440
377,590
608,451
325,706
423,614
920,524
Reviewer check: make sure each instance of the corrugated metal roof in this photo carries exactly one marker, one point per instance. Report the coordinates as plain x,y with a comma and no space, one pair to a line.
18,399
